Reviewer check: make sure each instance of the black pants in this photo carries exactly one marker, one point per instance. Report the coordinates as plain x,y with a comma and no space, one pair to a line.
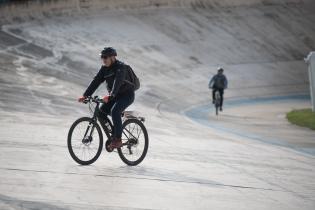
115,109
221,91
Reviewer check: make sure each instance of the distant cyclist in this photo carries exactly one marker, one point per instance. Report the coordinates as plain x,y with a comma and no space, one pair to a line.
218,82
121,91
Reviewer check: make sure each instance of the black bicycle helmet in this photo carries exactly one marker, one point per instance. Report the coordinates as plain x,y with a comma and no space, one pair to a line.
220,69
108,51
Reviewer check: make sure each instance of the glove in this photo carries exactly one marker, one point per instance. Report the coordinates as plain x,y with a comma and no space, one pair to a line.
81,99
107,98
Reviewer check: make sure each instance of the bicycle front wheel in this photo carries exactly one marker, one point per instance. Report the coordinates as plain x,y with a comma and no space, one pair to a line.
85,141
136,142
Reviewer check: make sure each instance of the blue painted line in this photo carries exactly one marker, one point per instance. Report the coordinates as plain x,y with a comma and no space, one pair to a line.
199,114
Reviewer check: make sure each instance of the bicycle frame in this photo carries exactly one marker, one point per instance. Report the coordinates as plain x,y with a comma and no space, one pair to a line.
103,122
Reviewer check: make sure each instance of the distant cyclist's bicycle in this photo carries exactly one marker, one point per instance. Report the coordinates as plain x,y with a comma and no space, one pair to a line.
217,101
85,138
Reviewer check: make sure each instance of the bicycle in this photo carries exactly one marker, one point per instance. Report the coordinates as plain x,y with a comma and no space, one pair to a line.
86,135
217,101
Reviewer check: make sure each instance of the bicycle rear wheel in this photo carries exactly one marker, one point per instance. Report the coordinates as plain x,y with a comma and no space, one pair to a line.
217,102
85,141
136,142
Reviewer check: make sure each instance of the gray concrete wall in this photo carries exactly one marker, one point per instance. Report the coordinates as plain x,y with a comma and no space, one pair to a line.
175,50
27,9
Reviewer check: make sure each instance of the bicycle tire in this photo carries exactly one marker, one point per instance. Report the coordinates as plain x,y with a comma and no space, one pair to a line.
146,143
69,141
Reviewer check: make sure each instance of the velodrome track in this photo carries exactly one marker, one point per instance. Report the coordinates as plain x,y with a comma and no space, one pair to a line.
249,157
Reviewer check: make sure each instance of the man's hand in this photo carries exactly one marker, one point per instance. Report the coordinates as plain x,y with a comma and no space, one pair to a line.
81,99
107,98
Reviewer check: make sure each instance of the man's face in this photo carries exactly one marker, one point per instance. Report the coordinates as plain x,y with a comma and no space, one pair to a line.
108,60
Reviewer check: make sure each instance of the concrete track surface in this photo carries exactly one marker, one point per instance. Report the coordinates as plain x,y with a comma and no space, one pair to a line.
249,157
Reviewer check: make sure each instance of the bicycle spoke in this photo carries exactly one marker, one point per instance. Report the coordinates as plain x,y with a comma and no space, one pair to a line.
131,131
139,133
89,152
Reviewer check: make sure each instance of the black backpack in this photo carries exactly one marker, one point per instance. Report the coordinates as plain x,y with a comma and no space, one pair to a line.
132,78
220,82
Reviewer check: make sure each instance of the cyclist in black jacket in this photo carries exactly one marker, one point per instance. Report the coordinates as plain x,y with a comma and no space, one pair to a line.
219,83
121,92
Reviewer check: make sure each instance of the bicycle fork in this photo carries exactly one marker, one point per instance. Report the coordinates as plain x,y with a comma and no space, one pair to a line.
88,138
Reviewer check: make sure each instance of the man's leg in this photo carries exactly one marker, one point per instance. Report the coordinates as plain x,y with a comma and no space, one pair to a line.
120,105
104,109
221,95
213,94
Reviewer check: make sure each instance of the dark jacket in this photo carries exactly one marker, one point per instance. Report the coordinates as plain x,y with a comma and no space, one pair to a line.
115,77
216,80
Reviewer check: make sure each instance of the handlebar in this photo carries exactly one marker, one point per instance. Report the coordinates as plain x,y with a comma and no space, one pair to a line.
94,99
